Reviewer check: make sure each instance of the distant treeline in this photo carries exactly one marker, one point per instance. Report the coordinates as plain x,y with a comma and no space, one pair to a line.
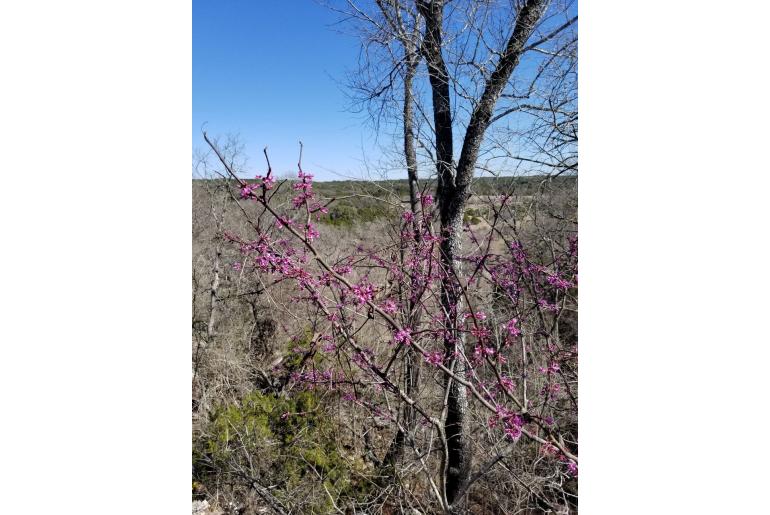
365,201
522,185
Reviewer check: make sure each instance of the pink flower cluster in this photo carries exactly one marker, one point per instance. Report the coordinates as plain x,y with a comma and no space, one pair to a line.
363,293
550,369
480,352
304,188
511,328
480,332
547,306
311,233
311,378
403,336
247,190
507,383
557,282
512,422
389,306
434,358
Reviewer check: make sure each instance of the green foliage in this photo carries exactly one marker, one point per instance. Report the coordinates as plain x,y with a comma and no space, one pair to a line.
296,350
471,216
341,216
290,438
347,215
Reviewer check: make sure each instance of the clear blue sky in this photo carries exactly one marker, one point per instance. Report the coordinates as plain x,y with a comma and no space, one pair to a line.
273,72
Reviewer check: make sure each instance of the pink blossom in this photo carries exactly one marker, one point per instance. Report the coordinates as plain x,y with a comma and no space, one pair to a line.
480,352
343,269
389,306
311,232
481,332
479,315
507,383
550,369
512,329
558,282
363,292
246,190
403,336
548,449
512,423
434,358
551,390
547,306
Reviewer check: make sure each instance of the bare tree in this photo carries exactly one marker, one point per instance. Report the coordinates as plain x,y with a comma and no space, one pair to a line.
471,50
467,55
452,194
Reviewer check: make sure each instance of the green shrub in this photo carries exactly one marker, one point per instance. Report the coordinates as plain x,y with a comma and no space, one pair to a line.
290,439
346,215
341,216
471,216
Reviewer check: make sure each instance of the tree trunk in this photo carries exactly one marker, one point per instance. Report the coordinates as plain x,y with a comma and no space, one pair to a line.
409,150
411,366
458,453
452,193
214,288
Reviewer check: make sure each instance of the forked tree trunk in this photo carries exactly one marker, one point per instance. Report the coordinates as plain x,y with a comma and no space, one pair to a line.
458,453
452,193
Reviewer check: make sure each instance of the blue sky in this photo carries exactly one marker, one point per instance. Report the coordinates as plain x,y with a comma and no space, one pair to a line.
272,71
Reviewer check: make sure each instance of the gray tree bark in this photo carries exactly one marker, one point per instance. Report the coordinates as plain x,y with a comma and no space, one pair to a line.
411,366
452,194
215,268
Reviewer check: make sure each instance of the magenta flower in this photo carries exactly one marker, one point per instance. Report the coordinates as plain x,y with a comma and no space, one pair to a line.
434,358
550,369
481,333
512,329
403,336
363,293
311,232
548,449
558,282
389,306
548,306
507,383
246,190
343,270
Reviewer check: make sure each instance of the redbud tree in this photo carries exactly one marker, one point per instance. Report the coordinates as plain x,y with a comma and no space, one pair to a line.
379,321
